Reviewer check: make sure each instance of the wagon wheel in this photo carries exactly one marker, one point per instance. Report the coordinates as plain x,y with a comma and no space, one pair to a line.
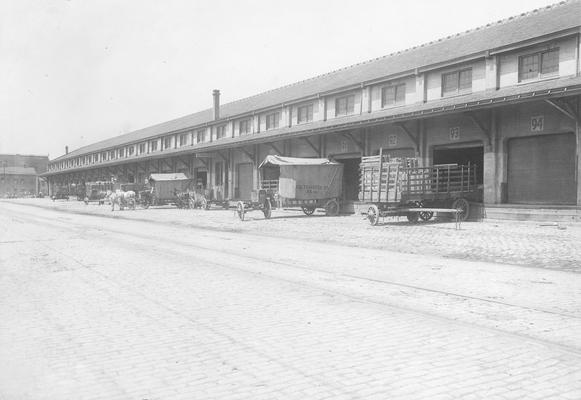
131,204
463,206
308,210
86,200
332,208
424,215
373,215
204,204
146,204
240,210
191,203
413,216
267,209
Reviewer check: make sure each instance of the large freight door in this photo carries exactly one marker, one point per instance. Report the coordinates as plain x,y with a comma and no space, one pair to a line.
244,188
541,170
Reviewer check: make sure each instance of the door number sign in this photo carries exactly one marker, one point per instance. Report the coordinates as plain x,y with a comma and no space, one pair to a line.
455,133
537,123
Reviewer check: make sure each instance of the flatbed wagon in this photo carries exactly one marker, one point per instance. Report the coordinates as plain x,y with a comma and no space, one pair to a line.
305,183
400,187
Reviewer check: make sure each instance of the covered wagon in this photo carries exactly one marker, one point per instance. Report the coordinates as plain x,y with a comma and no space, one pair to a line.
165,189
306,183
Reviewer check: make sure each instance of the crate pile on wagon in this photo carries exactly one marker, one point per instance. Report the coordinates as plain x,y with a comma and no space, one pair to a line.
401,187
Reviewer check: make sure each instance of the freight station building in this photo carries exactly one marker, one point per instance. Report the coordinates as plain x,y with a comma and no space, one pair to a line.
504,97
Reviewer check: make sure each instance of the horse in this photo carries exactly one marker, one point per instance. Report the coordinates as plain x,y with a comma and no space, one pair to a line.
122,199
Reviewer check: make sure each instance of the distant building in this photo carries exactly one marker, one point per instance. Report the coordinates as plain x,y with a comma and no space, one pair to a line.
19,175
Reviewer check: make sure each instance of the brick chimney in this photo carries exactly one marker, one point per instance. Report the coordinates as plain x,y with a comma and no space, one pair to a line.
216,94
66,149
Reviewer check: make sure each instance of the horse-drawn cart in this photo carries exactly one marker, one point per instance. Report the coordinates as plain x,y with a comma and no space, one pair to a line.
399,187
164,189
306,183
97,191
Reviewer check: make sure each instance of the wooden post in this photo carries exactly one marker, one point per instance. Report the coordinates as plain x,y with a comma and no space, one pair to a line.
380,175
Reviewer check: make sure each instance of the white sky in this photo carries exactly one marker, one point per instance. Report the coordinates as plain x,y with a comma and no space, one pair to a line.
79,71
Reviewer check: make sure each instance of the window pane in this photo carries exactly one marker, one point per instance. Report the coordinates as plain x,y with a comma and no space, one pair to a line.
550,62
450,82
529,67
305,113
466,79
341,106
400,94
350,104
388,96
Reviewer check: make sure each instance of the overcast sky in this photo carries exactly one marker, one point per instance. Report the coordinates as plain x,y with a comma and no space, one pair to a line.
79,71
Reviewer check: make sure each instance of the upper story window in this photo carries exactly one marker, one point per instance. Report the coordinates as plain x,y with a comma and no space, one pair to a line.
393,95
538,65
95,158
345,105
457,82
167,142
220,131
112,155
153,145
184,139
122,152
272,120
245,126
130,150
141,148
104,156
305,114
200,136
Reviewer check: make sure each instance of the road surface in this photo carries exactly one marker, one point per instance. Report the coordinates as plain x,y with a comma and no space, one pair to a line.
114,308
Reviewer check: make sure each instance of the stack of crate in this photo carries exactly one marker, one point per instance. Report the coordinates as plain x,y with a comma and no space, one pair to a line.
382,179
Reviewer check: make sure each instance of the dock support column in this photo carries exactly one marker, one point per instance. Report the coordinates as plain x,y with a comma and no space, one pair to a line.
491,180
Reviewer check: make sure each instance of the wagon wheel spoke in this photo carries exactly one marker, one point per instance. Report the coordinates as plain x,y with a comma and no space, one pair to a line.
463,206
424,215
373,215
267,209
332,208
308,210
240,210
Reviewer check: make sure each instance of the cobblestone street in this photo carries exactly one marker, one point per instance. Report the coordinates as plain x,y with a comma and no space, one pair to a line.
130,308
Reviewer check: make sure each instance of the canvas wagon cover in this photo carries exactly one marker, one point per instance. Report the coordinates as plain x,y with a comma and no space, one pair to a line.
307,178
168,177
167,184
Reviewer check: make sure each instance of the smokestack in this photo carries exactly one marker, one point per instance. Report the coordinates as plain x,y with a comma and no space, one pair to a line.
66,149
216,94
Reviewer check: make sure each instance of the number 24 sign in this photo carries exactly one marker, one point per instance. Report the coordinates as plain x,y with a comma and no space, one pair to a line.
537,123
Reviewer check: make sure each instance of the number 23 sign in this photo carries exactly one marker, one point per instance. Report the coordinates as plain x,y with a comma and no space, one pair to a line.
537,123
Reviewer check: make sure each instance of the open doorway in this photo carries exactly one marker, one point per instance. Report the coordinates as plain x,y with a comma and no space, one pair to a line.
350,176
469,155
201,178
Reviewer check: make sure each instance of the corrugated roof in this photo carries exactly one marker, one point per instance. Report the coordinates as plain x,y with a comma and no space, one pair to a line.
18,171
494,36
